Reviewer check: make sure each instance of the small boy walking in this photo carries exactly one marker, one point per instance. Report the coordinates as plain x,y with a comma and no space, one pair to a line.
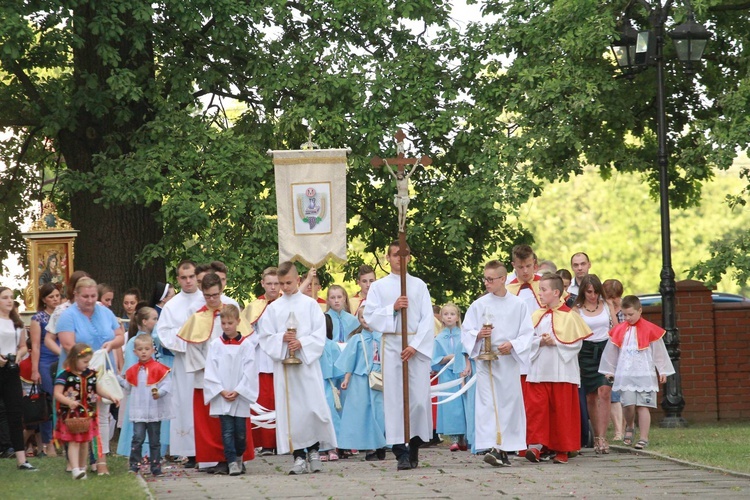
147,383
633,356
230,386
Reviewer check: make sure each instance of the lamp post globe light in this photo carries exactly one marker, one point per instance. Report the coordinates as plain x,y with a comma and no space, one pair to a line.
636,50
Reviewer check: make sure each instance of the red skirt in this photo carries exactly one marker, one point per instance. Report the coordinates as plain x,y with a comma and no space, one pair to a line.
553,417
434,407
209,446
265,438
63,434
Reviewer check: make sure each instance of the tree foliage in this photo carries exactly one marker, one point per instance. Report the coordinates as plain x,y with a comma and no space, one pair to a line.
128,97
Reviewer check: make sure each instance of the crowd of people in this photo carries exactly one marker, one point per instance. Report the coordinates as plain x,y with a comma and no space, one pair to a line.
535,358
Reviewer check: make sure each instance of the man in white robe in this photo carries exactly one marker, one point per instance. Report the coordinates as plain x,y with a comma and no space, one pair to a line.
499,416
174,315
303,419
383,314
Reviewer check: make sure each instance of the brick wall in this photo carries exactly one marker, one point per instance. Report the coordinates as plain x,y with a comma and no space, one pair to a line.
715,354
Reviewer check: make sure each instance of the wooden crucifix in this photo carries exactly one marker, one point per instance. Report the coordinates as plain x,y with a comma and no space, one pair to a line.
401,200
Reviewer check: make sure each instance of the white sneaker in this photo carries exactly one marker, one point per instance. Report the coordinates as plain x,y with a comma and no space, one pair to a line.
234,469
313,457
300,467
78,473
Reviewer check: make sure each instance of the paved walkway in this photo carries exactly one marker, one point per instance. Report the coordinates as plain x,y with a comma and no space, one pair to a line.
443,474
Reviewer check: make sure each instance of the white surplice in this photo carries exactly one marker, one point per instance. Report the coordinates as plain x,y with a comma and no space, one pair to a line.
381,317
230,367
175,313
636,369
556,363
301,385
511,322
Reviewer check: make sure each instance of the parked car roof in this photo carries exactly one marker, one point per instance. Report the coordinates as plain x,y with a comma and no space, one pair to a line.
654,299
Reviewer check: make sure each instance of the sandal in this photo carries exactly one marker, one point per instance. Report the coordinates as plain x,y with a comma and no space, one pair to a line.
101,469
628,439
642,443
603,446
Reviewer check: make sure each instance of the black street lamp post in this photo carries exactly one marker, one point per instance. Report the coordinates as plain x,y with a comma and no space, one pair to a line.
636,49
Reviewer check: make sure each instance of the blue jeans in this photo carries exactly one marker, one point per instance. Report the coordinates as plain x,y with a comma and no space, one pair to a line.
233,432
139,436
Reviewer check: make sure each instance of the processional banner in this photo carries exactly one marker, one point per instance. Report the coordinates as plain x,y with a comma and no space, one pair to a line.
311,205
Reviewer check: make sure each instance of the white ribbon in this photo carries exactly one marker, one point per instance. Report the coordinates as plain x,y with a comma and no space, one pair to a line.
454,395
443,369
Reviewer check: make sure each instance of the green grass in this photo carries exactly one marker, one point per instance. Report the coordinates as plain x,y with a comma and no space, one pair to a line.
51,481
717,445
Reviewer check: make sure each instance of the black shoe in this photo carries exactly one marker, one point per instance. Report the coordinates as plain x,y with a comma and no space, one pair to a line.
266,452
156,472
380,453
404,463
191,463
493,458
414,453
8,453
220,469
27,467
371,457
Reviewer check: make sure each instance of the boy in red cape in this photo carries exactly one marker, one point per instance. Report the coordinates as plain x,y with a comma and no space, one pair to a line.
634,354
148,384
553,414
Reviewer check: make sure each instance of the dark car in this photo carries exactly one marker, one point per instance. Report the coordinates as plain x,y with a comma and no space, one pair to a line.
654,299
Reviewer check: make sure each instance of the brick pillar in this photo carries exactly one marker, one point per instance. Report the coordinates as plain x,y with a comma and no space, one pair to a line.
695,321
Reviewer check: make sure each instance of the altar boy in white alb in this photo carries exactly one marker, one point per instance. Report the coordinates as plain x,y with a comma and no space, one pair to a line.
382,313
303,420
230,386
499,416
174,315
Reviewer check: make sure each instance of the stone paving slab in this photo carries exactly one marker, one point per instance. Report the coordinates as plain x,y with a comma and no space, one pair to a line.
443,474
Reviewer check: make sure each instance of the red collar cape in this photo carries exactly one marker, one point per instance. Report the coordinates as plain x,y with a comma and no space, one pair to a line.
199,326
645,331
155,372
235,341
567,327
515,287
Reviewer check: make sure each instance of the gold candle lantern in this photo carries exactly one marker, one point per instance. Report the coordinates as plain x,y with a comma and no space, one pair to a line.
291,327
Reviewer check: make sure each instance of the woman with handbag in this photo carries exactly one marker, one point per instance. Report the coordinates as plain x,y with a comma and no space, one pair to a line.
93,324
42,357
75,394
12,348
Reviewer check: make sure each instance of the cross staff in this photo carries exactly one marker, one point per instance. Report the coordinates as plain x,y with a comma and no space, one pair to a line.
401,201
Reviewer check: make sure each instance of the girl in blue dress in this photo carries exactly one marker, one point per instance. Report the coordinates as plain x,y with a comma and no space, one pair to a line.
452,416
143,323
362,419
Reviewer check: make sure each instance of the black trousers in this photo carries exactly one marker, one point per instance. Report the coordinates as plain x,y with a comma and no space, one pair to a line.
11,395
301,453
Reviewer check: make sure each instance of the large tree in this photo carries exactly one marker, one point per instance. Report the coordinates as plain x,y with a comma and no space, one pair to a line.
125,99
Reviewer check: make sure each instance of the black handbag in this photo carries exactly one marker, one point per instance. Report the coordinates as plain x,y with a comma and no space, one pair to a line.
35,406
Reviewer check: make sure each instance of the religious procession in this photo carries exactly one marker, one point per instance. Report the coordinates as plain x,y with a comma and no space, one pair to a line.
195,377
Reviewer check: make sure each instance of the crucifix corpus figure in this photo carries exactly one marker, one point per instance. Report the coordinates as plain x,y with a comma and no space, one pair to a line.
403,314
401,199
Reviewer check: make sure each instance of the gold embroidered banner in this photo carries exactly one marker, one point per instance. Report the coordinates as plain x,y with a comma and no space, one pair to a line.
311,205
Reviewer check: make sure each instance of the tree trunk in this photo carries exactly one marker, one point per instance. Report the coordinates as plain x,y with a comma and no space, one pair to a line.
110,239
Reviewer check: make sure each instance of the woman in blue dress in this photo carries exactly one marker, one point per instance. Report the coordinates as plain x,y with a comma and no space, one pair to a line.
42,357
362,419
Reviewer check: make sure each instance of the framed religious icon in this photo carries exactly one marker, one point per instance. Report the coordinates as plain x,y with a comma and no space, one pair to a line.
50,254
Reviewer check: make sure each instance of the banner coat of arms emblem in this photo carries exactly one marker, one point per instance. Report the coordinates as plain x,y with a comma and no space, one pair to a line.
311,205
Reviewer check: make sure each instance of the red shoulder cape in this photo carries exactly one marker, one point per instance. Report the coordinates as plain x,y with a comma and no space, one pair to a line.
645,331
155,372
